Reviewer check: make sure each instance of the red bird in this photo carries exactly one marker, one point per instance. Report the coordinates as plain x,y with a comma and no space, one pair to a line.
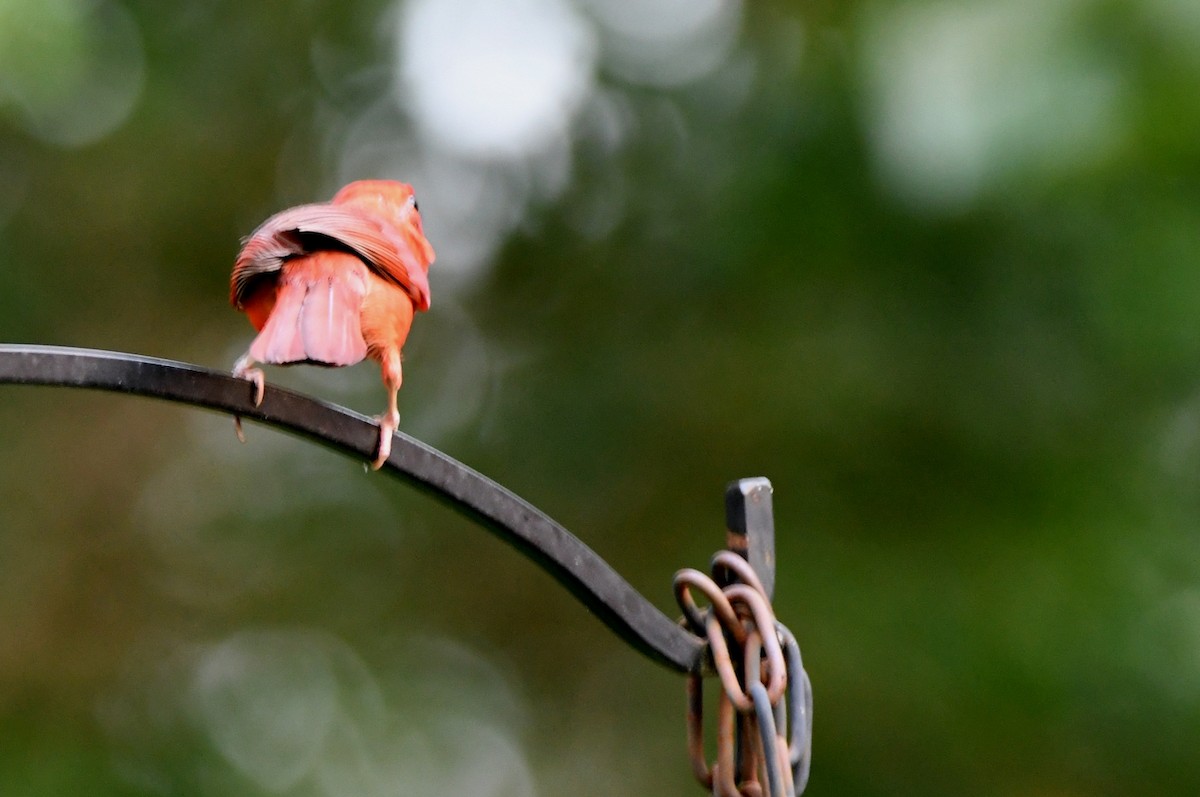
334,282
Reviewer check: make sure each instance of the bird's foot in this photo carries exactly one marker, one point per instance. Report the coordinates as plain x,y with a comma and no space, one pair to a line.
388,423
243,369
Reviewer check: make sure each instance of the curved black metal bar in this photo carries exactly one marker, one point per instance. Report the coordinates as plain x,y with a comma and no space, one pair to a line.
576,566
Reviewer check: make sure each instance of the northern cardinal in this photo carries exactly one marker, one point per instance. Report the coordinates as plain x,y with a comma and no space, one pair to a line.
334,282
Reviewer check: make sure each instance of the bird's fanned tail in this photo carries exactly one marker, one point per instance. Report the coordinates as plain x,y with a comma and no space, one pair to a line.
316,318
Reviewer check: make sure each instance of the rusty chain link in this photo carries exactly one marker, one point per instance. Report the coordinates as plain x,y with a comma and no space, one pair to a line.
764,711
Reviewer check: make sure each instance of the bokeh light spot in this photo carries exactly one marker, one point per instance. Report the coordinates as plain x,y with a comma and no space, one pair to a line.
965,97
71,71
493,79
666,42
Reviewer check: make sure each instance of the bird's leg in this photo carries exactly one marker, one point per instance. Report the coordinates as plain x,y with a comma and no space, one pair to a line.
388,423
390,420
244,369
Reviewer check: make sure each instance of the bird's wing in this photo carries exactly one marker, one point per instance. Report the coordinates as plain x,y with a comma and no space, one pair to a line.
402,255
311,228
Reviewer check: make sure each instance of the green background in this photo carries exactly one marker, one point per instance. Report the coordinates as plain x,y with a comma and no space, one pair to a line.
931,267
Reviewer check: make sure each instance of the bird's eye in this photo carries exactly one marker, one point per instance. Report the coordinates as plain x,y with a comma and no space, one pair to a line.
413,200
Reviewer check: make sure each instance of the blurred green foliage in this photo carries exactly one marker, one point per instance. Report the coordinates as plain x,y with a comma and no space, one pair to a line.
933,268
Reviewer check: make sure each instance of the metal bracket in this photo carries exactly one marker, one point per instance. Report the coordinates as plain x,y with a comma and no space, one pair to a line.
750,521
572,563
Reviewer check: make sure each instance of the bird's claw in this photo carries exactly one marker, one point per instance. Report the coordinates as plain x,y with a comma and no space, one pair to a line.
254,375
242,369
388,423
